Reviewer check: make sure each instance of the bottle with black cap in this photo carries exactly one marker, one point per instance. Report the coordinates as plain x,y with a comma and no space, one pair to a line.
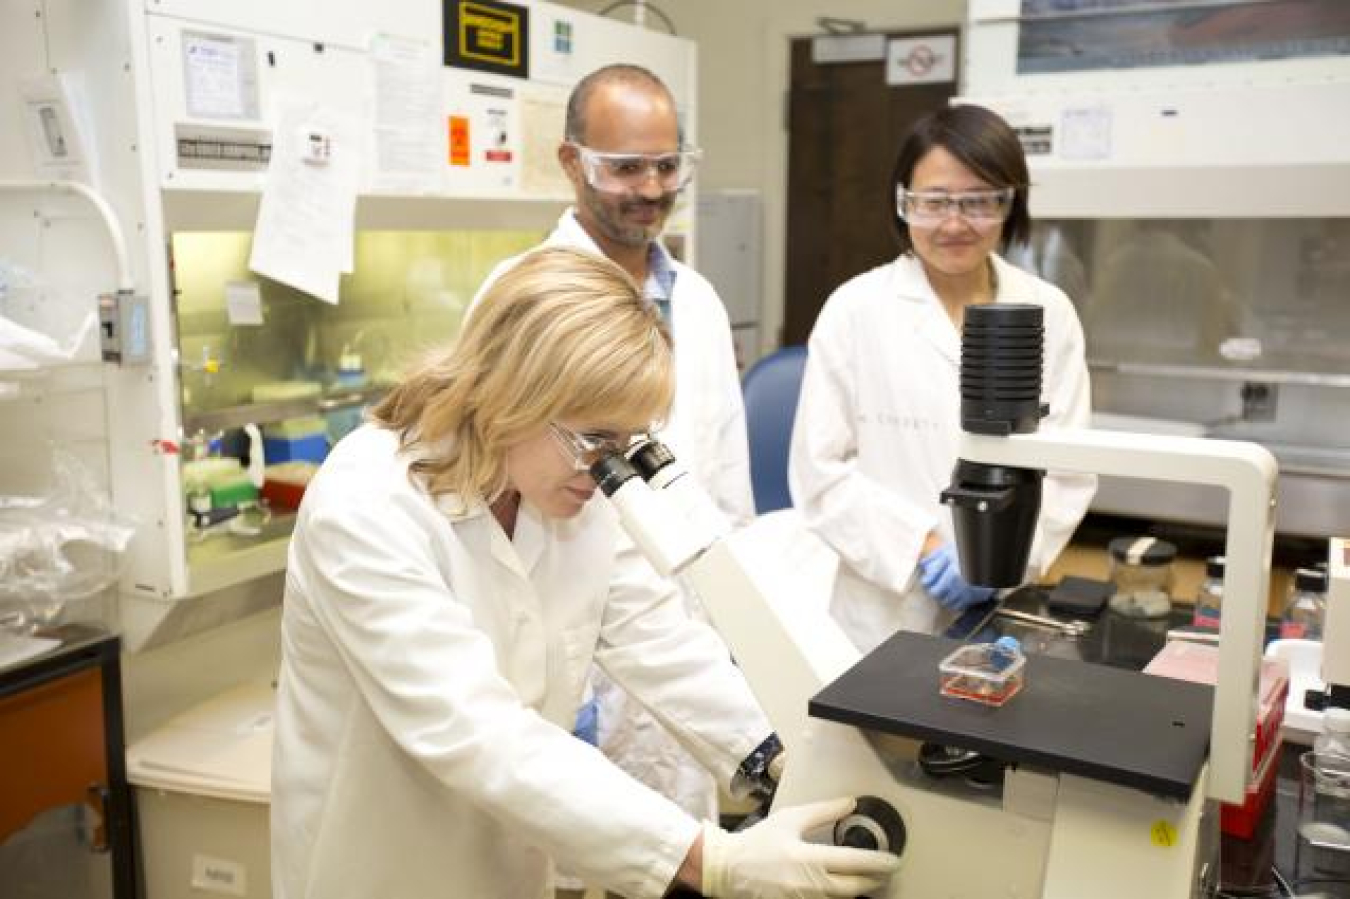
1141,569
1306,609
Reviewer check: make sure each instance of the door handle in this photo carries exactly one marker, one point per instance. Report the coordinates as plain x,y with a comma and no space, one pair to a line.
93,824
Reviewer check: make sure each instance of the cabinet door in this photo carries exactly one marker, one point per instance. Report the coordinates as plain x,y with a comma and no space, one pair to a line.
58,816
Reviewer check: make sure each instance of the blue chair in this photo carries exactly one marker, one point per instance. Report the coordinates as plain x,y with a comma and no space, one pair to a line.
771,387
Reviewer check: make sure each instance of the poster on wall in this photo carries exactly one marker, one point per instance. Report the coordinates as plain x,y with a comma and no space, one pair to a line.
1088,35
487,36
543,114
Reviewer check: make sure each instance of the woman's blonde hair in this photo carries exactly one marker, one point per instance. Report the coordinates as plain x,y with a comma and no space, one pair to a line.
564,335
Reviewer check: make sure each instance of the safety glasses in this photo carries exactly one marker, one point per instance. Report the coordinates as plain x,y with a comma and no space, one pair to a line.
931,207
618,172
586,448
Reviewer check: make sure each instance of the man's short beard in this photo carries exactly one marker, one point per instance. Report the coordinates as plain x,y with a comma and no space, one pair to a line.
610,220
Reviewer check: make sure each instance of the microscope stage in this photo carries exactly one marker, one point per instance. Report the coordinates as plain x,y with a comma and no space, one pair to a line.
1122,727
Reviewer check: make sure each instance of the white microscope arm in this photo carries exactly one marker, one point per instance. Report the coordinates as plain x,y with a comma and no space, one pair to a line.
1248,472
1336,632
788,648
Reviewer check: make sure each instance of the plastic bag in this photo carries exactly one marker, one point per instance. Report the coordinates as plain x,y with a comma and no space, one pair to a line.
23,349
58,547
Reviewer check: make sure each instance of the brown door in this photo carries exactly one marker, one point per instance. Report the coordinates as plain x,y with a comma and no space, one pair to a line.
845,125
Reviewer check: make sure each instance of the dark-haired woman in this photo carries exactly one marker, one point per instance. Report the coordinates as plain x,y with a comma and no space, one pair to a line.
879,417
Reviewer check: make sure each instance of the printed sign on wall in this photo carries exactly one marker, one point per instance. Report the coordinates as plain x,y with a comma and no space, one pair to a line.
921,60
485,136
488,36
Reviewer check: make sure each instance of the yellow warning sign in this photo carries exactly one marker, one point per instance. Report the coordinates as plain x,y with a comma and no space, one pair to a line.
1163,834
488,36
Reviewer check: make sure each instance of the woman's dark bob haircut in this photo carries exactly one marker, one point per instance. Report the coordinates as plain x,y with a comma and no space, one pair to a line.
983,143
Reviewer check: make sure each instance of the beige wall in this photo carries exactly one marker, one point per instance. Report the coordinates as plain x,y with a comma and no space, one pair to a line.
743,80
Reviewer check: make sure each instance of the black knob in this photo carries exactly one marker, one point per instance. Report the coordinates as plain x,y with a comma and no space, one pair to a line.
858,838
873,824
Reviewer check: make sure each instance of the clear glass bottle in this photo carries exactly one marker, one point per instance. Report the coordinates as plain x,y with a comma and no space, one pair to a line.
1141,569
1335,736
1209,599
1306,608
1331,794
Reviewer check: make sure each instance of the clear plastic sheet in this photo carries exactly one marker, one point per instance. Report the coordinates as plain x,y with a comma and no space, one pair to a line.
57,547
25,348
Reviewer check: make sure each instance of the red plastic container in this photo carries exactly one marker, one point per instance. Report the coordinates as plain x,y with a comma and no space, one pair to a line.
284,484
1200,663
1241,820
283,495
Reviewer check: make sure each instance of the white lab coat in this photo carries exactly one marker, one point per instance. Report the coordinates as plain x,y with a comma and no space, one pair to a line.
876,433
431,672
707,432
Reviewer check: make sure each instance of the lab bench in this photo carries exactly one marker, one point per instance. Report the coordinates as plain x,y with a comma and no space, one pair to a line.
1093,561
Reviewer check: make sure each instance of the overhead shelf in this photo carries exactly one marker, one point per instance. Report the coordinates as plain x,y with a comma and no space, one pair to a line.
228,417
1220,373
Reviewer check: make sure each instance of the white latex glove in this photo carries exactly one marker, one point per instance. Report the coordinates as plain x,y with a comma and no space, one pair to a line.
771,860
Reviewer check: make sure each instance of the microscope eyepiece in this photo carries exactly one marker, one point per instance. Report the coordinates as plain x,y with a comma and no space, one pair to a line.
651,456
611,472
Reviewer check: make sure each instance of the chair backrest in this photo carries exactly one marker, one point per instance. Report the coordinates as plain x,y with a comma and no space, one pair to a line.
771,387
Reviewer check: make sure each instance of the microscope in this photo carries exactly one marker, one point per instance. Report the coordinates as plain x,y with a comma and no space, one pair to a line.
1107,780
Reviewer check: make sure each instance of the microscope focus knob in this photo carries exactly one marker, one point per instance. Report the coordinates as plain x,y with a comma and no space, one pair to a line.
874,824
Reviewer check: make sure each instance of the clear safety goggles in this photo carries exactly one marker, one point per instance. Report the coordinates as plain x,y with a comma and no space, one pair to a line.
617,172
586,448
930,207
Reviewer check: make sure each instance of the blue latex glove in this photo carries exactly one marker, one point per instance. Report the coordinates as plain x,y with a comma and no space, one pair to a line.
587,727
940,574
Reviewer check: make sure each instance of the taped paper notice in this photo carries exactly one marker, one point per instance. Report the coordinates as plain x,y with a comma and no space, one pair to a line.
220,76
408,102
304,233
542,119
1085,133
243,303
